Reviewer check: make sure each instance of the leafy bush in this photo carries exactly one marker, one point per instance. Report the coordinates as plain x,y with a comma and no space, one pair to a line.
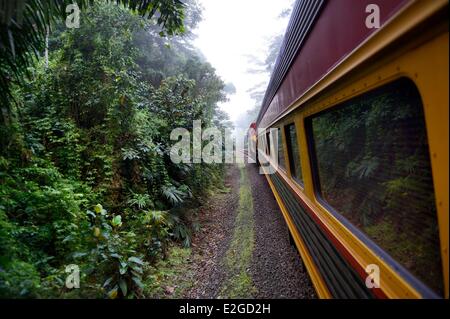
92,126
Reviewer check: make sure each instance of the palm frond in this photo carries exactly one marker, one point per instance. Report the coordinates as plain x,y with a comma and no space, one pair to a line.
140,201
173,195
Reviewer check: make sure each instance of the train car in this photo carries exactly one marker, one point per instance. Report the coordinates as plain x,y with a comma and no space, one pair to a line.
359,98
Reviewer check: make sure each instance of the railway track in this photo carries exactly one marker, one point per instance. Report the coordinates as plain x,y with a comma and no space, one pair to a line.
271,269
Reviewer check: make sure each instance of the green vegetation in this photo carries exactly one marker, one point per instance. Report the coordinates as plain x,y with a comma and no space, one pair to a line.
24,25
239,283
170,277
85,173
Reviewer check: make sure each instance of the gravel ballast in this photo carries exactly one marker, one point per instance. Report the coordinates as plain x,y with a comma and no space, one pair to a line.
275,269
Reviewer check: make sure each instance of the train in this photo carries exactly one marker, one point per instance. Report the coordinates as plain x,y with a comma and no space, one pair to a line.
355,120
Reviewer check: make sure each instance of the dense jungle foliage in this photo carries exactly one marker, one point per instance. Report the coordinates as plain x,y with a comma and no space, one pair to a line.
85,173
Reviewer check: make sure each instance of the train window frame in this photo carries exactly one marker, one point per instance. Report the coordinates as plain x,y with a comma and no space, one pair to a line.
290,153
344,221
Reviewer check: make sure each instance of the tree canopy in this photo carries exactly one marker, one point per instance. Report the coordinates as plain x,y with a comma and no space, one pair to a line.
24,25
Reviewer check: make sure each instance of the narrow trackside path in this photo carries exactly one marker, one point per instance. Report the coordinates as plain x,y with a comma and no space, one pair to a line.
238,260
210,245
243,249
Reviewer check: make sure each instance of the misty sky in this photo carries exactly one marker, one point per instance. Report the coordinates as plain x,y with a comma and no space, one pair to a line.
231,32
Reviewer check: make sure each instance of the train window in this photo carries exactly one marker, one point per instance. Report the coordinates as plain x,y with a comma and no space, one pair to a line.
293,152
268,142
281,161
372,166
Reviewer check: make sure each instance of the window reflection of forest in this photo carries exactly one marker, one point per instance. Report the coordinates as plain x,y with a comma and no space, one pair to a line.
374,169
